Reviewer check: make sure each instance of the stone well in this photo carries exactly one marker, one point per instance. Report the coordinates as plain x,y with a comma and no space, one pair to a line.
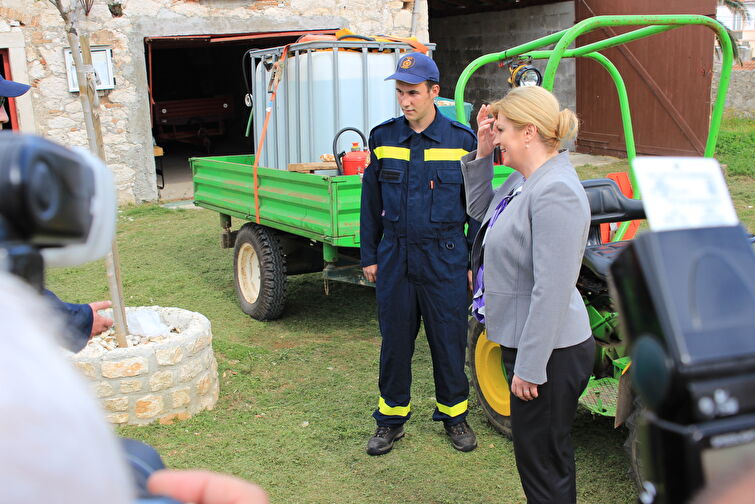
163,381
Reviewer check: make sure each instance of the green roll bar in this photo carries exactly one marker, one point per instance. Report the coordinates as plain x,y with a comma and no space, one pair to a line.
652,24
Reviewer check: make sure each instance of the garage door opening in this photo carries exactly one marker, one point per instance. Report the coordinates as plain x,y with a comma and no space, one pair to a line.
197,89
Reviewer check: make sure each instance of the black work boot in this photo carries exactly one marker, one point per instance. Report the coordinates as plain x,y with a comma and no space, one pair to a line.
382,441
462,436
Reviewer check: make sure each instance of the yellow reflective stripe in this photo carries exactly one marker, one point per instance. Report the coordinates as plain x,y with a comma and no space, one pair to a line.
392,410
444,154
385,151
453,411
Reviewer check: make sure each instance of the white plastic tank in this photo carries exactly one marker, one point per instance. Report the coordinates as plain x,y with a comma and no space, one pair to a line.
322,91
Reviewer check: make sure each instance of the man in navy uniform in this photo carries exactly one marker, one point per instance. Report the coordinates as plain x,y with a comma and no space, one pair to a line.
414,247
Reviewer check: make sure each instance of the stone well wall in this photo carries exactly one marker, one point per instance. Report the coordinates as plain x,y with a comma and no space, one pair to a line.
160,381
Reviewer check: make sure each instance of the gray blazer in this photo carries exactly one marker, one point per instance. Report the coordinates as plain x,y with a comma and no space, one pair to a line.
532,259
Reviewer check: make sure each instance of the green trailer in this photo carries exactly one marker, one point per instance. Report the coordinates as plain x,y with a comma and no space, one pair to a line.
306,223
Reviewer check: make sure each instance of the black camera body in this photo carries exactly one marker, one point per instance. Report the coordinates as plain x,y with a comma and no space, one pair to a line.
687,304
46,192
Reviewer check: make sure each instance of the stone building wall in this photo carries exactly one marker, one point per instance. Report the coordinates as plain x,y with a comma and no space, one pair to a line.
33,32
740,99
462,39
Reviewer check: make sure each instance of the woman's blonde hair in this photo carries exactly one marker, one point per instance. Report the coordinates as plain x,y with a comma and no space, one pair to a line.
537,106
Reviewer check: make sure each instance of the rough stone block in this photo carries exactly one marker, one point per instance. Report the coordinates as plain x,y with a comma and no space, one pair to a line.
190,369
169,419
117,404
149,406
103,389
87,368
117,418
128,386
160,380
202,342
124,368
180,398
60,122
203,385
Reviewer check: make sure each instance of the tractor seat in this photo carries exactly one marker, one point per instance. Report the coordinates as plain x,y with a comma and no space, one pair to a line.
598,258
607,204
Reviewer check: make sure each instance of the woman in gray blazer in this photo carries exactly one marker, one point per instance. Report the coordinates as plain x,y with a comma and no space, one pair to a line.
526,258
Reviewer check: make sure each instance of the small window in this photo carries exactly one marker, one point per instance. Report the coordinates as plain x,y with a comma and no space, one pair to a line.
102,59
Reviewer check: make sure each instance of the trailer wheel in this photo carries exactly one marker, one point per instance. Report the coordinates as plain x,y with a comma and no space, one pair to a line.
488,378
260,272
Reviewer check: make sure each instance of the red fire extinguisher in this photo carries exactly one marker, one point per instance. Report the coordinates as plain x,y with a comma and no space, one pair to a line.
354,162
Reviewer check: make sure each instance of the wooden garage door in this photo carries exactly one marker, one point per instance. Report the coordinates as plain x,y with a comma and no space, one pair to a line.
668,78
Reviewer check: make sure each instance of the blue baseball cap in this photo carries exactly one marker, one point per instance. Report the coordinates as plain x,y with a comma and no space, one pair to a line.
416,68
11,89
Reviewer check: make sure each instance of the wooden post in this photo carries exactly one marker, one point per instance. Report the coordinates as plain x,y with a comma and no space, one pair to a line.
82,57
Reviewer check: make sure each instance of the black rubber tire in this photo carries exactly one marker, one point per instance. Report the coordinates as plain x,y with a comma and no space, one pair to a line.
259,268
488,379
633,444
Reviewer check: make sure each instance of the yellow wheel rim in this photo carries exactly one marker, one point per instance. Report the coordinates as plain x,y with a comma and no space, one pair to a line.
490,376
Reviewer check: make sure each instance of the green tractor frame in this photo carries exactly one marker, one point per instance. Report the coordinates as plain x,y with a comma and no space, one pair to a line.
608,392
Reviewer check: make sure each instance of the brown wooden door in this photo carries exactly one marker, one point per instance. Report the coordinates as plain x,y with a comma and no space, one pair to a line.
668,79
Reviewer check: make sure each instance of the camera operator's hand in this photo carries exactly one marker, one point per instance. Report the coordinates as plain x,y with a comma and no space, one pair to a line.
100,323
205,487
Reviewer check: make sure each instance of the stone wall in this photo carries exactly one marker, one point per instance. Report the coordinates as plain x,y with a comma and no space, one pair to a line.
740,100
125,112
461,39
166,381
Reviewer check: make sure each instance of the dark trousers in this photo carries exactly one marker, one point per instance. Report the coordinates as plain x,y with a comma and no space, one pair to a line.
434,290
542,427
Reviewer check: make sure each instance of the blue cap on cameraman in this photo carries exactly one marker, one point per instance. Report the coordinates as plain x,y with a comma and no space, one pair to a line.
415,68
12,89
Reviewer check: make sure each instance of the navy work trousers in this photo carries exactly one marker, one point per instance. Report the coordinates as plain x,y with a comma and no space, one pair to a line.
422,279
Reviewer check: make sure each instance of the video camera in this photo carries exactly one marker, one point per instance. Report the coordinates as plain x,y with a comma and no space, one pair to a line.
57,208
687,303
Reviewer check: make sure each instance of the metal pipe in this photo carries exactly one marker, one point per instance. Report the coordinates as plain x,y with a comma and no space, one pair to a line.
285,105
298,105
365,93
311,105
336,91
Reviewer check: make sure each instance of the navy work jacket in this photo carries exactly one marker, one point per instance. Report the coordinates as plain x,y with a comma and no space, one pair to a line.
413,186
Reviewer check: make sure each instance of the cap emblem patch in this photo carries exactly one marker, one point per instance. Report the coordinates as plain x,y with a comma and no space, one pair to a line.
407,63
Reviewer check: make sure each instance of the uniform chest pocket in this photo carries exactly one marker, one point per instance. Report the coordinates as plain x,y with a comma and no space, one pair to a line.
448,203
391,184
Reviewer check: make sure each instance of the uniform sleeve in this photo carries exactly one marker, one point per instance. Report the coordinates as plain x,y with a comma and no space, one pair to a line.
473,225
558,229
78,319
370,220
478,187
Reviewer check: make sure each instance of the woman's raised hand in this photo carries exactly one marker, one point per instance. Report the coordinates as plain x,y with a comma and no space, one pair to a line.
484,132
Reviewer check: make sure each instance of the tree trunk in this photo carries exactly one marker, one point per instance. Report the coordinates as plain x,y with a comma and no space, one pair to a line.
91,108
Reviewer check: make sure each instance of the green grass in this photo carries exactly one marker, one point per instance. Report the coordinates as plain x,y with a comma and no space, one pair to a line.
297,394
736,146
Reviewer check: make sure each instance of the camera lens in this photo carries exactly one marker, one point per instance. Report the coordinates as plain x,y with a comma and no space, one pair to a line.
43,191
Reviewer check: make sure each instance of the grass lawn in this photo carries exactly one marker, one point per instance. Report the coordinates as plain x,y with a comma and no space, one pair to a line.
296,394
